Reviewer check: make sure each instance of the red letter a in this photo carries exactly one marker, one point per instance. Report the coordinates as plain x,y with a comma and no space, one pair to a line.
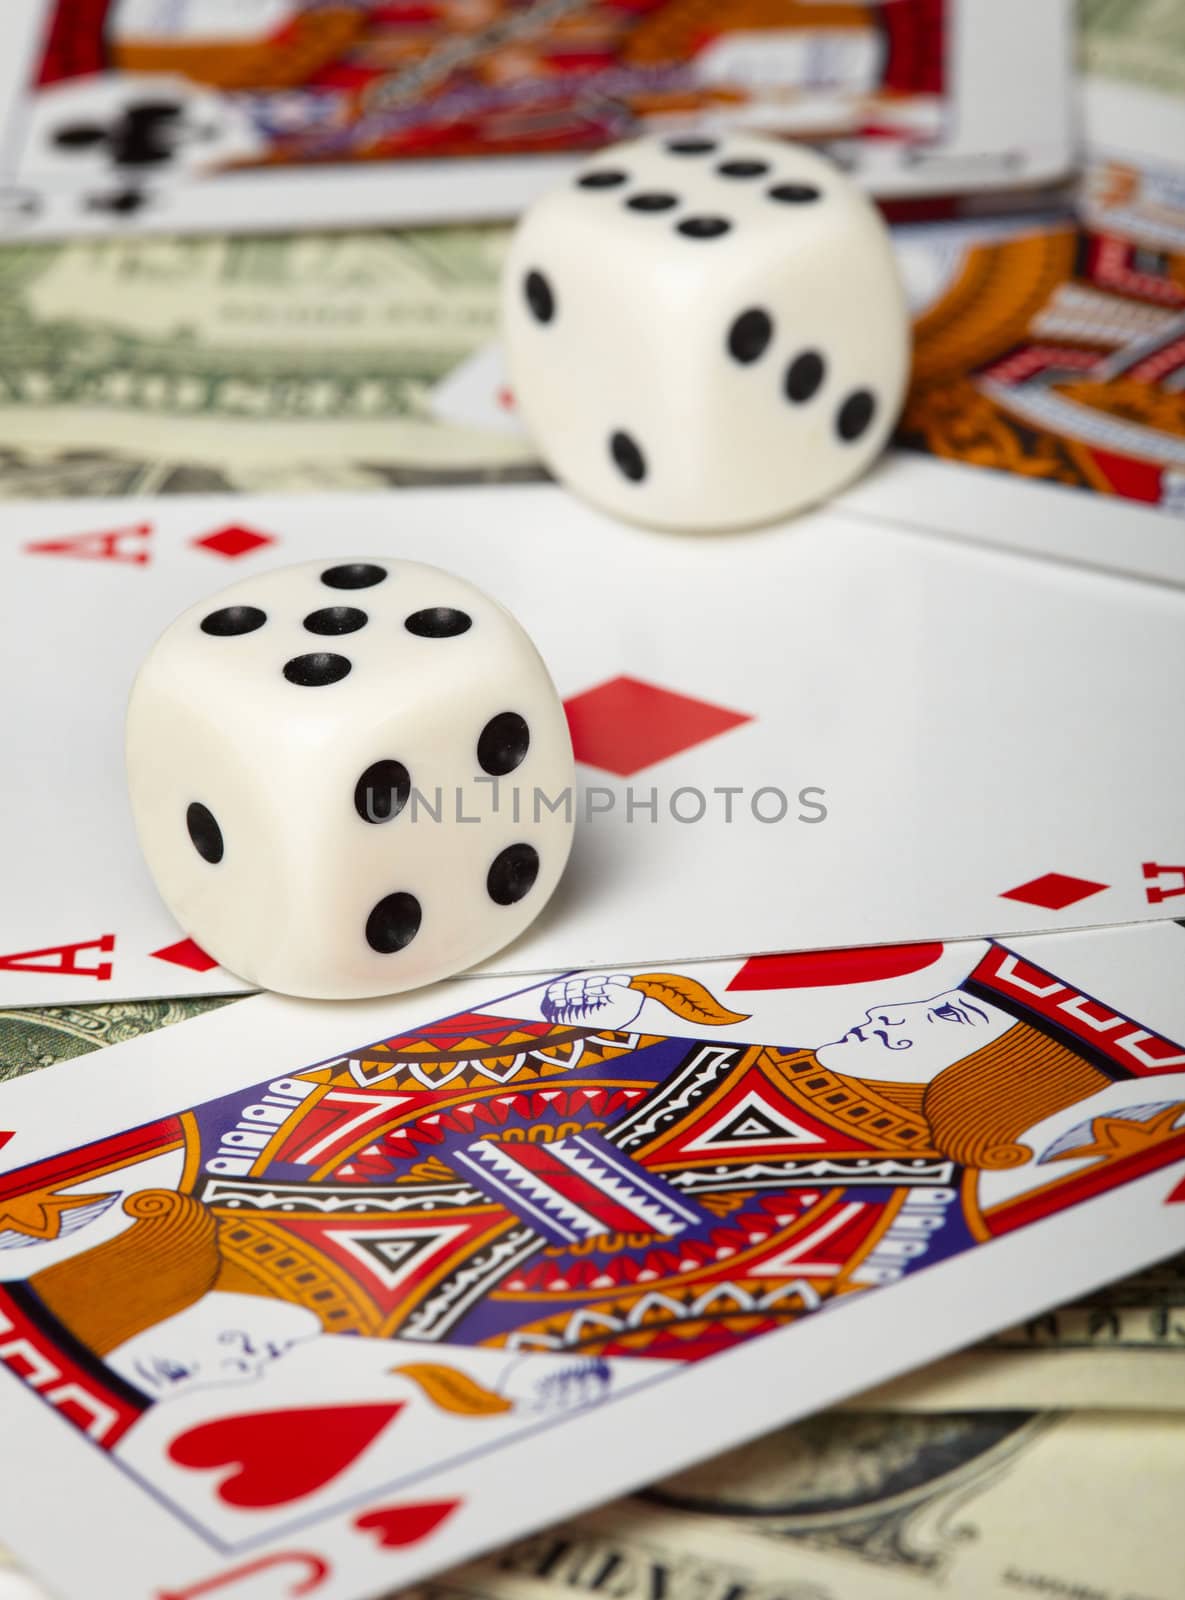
66,962
99,546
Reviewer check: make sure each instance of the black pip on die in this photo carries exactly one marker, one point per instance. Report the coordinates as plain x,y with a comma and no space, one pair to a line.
705,333
344,777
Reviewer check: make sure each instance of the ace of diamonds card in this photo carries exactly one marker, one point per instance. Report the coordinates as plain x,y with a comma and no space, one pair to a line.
826,732
316,1300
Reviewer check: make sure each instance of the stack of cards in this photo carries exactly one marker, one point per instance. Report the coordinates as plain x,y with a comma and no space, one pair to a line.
856,1029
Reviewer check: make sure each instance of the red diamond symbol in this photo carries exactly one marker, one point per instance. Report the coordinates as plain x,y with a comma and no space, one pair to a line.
233,541
625,725
1054,891
186,954
813,969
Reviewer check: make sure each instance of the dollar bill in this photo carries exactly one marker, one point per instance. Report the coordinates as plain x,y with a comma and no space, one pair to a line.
1142,41
875,1506
1143,1312
290,362
40,1037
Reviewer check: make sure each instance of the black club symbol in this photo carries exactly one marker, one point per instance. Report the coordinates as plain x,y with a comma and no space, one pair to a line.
144,134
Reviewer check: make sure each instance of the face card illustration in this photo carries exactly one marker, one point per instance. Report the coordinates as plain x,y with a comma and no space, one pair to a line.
1055,352
210,114
865,734
1050,352
363,1296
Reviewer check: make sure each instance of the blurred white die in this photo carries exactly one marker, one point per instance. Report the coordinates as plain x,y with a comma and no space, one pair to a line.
705,332
335,771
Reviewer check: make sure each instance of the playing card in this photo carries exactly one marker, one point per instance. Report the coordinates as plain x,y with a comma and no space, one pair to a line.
1055,350
249,114
344,1294
828,733
1031,516
477,394
1050,350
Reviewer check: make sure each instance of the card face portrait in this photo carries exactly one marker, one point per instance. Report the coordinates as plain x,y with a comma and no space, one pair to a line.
131,115
1047,349
865,736
278,1297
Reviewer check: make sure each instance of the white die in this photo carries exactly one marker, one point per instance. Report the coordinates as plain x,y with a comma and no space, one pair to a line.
705,332
347,776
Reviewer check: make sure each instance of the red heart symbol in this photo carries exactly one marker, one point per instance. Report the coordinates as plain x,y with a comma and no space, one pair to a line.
281,1455
809,969
403,1525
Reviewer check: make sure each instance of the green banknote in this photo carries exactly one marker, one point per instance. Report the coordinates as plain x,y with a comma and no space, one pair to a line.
38,1038
982,1506
288,362
1142,41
